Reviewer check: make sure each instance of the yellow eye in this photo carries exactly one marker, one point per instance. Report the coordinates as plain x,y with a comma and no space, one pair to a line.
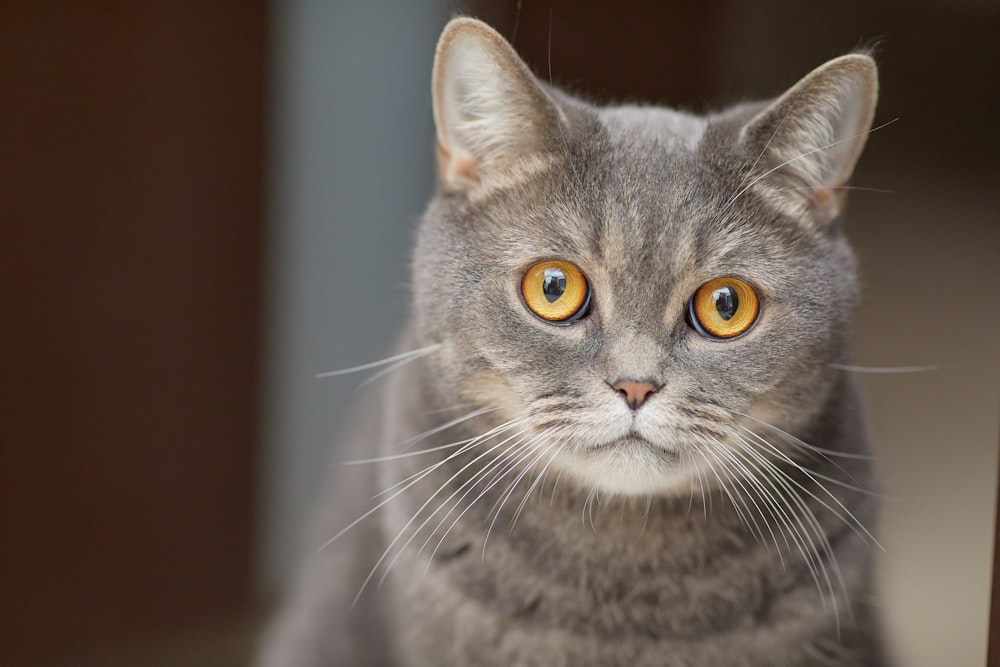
555,291
724,308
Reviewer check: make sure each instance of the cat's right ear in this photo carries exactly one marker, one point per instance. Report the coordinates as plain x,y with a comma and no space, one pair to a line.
810,138
494,121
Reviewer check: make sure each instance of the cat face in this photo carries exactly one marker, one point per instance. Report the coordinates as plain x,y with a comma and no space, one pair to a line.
637,289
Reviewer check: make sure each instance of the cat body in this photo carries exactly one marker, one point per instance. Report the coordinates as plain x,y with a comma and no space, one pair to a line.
580,464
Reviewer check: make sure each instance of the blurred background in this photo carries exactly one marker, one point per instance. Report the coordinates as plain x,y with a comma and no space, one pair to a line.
203,205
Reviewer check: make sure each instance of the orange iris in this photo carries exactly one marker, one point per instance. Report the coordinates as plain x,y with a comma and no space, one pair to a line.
725,307
556,291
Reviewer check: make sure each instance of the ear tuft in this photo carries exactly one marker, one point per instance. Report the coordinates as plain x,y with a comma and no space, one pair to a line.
493,119
811,137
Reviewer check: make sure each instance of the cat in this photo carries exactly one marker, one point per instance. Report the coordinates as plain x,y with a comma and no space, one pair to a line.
617,433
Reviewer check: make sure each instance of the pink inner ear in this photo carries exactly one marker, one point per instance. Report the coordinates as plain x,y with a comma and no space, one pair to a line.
824,197
456,170
463,170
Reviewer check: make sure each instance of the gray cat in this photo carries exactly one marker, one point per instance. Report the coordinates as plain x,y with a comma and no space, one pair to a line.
620,436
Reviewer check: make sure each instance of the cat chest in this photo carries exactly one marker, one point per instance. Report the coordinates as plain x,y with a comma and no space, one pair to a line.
470,609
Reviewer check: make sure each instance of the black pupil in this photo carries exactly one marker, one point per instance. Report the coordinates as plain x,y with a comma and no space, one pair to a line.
726,302
554,284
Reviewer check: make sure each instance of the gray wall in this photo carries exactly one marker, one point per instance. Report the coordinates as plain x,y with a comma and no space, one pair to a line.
352,167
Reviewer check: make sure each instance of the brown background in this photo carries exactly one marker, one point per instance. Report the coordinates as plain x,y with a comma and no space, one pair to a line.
131,142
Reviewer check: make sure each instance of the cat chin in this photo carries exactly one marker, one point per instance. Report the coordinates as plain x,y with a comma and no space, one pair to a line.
629,468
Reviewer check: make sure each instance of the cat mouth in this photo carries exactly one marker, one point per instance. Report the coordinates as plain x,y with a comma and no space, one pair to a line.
634,440
633,437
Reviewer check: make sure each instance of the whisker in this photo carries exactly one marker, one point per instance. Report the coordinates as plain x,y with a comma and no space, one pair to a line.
555,485
404,455
470,483
774,505
791,439
759,534
854,523
815,453
406,484
450,408
470,443
706,506
811,556
409,356
887,369
409,442
541,475
815,475
645,516
500,467
586,506
498,507
723,489
549,47
770,171
385,371
399,535
755,483
777,128
880,191
690,496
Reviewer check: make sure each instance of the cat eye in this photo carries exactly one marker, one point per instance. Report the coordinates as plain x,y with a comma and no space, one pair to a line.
556,291
724,308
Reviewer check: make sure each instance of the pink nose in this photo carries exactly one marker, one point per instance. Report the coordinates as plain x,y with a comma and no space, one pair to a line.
635,393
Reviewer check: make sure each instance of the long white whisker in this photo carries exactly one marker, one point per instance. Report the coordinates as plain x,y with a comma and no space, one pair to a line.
759,534
467,444
405,455
409,442
705,504
723,489
499,468
427,502
885,370
555,485
770,171
470,483
791,107
498,507
814,560
412,354
791,439
541,475
406,484
586,506
853,521
775,505
880,191
451,408
690,496
816,453
422,436
385,371
752,480
645,517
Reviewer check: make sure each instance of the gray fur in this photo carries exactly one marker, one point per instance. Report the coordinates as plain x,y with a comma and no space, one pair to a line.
554,541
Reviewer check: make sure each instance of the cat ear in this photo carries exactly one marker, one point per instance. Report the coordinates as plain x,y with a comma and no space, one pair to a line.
494,120
810,138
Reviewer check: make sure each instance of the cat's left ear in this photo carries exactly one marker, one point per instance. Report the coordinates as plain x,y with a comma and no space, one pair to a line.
495,122
810,138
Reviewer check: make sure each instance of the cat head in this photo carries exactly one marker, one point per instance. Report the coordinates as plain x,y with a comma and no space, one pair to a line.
636,287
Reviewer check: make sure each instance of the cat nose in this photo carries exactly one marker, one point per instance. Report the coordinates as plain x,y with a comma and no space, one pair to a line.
635,392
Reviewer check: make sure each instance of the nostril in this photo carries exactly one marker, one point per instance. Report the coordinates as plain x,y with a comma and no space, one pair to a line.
635,392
